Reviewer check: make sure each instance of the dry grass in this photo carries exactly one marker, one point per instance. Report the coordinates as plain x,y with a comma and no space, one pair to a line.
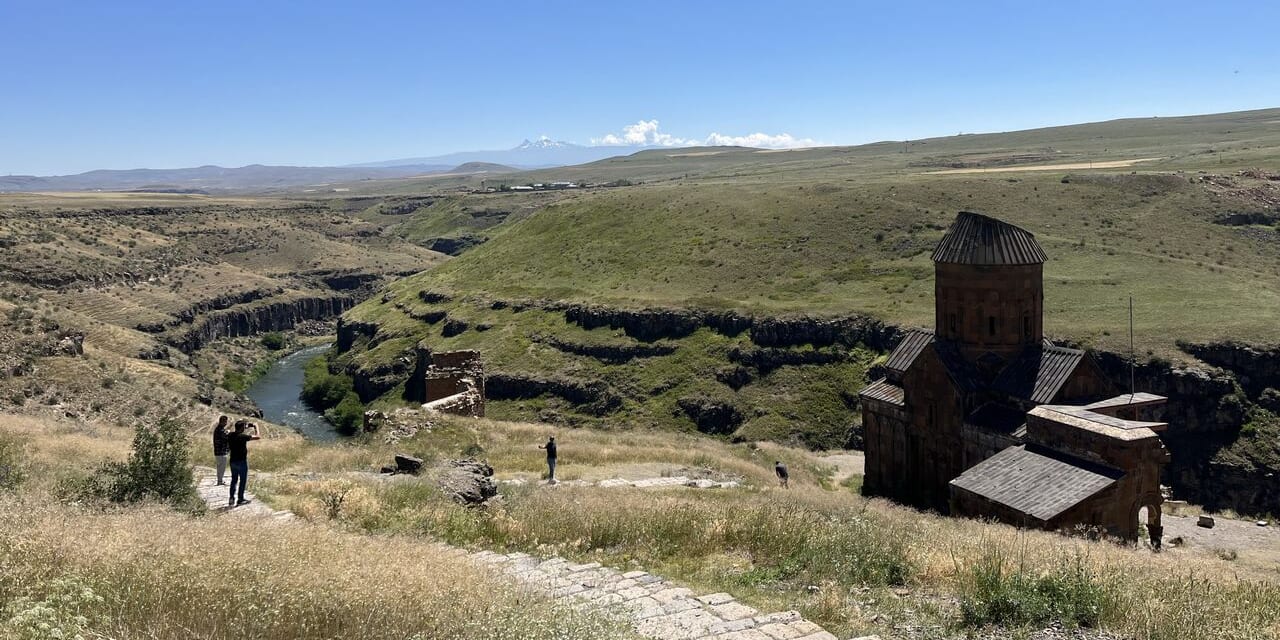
588,454
770,546
151,573
828,552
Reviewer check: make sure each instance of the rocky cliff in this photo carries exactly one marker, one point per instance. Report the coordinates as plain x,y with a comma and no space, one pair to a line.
1207,404
259,317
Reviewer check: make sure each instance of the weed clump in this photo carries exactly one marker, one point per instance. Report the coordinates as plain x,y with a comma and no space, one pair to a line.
12,462
996,590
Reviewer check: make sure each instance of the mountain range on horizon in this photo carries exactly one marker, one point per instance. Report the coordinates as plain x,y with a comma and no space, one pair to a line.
539,153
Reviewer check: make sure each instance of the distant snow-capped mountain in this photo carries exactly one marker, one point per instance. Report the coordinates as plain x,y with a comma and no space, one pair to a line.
529,154
544,142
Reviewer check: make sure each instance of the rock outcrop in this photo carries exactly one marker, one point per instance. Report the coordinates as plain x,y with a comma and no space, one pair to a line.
252,319
468,482
594,397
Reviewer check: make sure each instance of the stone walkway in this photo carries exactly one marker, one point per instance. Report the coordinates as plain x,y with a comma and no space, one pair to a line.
656,608
215,498
642,483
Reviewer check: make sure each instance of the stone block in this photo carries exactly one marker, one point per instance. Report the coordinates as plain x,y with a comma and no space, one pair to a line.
732,625
716,598
780,631
672,593
734,611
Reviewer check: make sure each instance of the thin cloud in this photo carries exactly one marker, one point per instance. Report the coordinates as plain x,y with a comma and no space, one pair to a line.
761,140
646,133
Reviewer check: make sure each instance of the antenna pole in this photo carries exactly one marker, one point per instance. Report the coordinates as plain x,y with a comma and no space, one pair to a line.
1132,354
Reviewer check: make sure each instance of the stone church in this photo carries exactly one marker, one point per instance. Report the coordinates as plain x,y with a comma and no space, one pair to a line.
984,417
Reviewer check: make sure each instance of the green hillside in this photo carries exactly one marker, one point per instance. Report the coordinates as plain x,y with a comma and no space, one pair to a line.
806,232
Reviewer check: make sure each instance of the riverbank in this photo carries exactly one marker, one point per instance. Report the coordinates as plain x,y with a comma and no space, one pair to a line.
278,393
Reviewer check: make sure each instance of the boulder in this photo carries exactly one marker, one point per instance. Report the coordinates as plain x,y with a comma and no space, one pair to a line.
72,344
468,481
408,464
1205,521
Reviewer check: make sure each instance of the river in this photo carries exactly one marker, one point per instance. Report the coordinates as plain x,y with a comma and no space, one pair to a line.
279,395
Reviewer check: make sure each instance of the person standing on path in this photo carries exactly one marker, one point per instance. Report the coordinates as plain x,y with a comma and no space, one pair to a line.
550,446
220,448
239,441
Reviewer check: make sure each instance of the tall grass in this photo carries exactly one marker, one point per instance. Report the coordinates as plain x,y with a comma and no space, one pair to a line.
150,573
998,589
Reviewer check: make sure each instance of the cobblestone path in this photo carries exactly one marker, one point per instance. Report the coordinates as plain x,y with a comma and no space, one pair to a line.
656,608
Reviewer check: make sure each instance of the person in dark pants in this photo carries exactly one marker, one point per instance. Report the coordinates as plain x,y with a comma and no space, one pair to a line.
239,447
550,446
220,448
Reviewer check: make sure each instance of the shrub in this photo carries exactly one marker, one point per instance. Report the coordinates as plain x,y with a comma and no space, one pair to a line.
274,341
12,462
347,415
321,389
159,468
235,381
998,592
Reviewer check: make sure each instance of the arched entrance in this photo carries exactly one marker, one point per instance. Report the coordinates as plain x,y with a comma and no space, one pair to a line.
1148,512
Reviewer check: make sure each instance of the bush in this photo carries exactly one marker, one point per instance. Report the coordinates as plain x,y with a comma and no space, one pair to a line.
235,381
274,341
996,592
159,468
347,415
12,462
321,389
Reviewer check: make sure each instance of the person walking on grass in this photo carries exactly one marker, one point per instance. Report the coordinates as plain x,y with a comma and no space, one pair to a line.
550,446
239,447
220,448
780,470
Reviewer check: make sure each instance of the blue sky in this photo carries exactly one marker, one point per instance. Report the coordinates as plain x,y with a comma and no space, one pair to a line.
87,85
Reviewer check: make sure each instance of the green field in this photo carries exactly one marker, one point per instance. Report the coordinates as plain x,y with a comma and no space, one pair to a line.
843,232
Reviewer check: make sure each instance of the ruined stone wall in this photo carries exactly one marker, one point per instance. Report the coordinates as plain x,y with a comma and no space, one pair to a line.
468,403
442,384
453,382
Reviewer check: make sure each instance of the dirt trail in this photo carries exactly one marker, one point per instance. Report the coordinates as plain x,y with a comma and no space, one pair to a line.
1108,164
847,464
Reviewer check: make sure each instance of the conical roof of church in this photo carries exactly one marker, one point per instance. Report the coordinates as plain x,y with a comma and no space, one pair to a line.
977,239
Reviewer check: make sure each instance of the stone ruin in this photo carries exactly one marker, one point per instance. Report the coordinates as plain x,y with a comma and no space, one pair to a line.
454,383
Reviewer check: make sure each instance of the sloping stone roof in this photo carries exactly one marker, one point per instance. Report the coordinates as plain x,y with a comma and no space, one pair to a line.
908,350
1036,481
884,391
977,239
963,374
997,417
1037,374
